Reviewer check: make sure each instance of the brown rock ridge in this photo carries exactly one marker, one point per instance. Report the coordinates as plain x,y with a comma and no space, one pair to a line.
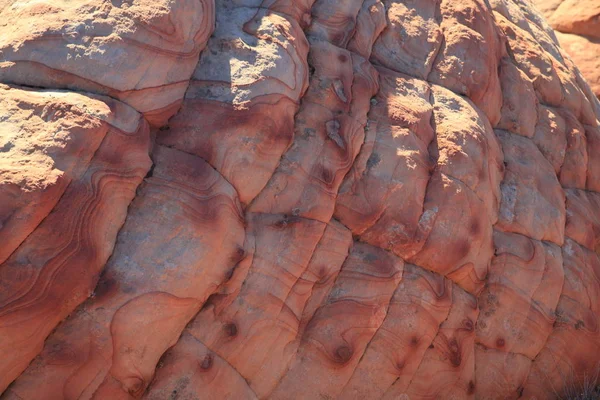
373,199
577,25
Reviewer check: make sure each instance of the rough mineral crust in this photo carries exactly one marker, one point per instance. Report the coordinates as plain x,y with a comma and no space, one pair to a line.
577,25
298,199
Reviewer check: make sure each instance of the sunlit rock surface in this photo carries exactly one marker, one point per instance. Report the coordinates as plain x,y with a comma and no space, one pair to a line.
298,199
577,25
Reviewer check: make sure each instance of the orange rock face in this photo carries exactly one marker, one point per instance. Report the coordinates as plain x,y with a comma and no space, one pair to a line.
577,25
140,52
281,199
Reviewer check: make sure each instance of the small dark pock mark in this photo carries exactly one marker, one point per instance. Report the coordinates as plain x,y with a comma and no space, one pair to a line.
323,275
343,354
207,362
500,342
471,387
326,175
455,356
468,324
414,341
135,386
579,325
231,329
343,58
238,255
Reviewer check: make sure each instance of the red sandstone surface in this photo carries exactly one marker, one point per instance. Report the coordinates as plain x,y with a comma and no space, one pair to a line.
297,199
577,25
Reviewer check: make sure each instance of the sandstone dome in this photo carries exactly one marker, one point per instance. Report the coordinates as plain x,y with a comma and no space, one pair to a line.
577,25
295,199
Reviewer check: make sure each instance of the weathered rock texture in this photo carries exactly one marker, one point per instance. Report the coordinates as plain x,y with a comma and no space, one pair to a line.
368,199
140,52
577,25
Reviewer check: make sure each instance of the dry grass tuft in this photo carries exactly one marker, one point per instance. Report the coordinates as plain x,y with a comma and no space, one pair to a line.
587,390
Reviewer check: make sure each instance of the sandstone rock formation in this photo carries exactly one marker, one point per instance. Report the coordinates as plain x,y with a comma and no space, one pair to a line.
295,199
142,53
577,25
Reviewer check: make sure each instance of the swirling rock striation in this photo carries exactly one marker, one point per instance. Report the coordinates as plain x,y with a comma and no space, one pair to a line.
56,266
140,52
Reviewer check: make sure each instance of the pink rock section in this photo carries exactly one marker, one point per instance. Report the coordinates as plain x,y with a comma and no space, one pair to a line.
577,25
69,211
375,199
138,51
